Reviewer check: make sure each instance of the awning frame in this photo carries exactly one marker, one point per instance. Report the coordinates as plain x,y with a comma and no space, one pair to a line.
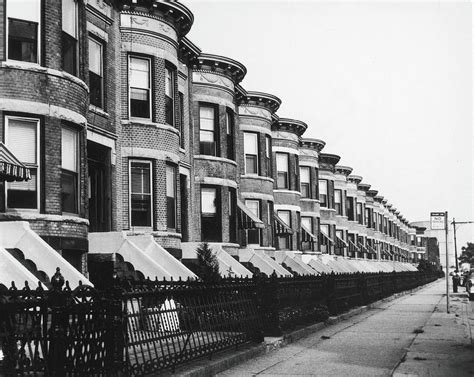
339,241
247,219
12,169
305,230
281,228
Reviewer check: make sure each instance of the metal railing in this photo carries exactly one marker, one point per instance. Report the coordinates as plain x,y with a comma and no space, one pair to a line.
139,328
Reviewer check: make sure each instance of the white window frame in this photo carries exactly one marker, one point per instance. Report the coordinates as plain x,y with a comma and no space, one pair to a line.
150,86
258,214
130,193
101,44
78,172
255,135
307,168
38,163
38,35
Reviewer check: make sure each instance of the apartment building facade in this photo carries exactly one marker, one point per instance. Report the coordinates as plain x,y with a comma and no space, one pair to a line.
128,127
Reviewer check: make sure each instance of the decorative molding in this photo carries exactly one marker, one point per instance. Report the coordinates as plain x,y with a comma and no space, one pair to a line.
213,78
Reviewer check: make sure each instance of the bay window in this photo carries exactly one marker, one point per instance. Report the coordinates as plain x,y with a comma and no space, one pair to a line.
23,29
251,152
210,219
69,170
22,138
96,72
323,192
282,170
139,87
140,193
284,241
171,196
305,182
69,36
207,130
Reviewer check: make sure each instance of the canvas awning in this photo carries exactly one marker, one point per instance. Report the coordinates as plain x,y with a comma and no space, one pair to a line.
247,219
281,229
371,249
328,239
352,247
307,236
340,243
362,247
11,169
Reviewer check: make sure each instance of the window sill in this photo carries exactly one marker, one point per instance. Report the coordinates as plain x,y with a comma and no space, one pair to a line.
214,158
148,122
256,176
98,111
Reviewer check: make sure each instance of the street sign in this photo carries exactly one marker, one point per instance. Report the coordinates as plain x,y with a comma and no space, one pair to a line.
438,220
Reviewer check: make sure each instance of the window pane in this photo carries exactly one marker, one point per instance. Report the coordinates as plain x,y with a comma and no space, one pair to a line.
323,187
23,194
69,54
304,175
206,118
168,82
170,181
69,9
208,200
22,139
24,9
140,194
337,196
282,162
250,143
69,149
324,229
140,178
139,103
69,191
267,146
139,73
285,216
207,136
253,206
22,41
307,222
95,57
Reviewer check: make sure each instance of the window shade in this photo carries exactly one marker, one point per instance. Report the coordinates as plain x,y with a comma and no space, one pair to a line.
22,139
250,143
206,118
208,200
139,73
282,162
24,9
69,149
69,17
95,57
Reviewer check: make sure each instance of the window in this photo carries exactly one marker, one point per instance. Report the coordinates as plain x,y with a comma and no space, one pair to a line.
22,138
323,192
171,196
70,168
350,208
268,155
139,81
282,170
284,242
360,219
374,220
305,182
368,218
207,130
253,235
232,215
251,152
181,120
210,224
325,246
140,193
380,222
229,125
69,36
96,72
338,202
169,96
23,30
307,222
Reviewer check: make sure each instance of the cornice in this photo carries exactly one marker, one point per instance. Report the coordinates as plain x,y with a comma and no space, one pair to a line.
172,11
268,101
372,193
354,179
363,187
328,161
315,144
344,170
188,51
220,64
291,125
378,198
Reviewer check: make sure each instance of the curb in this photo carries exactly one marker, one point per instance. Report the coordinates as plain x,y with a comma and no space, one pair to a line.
228,359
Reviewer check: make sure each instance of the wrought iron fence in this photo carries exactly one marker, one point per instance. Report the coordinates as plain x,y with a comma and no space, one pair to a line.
139,328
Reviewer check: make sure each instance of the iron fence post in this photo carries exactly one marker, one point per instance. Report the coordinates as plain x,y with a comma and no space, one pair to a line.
269,306
116,331
57,335
330,284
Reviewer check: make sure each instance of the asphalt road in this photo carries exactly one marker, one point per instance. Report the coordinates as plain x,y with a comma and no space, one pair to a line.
410,336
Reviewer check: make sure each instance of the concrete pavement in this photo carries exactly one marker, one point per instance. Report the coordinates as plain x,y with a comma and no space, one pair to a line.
410,336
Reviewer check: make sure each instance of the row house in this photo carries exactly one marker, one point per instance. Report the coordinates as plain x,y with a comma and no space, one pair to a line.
139,146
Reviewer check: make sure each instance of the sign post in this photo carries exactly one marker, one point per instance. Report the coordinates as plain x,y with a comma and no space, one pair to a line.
439,221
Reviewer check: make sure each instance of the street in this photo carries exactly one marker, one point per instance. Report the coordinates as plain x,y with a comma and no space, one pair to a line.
409,336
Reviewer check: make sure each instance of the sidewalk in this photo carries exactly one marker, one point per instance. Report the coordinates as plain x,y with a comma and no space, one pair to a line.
445,346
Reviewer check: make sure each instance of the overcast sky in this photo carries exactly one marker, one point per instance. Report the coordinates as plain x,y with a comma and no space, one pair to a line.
387,86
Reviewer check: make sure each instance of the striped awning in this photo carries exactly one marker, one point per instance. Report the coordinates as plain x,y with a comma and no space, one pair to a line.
247,219
362,247
340,243
281,229
371,249
306,235
11,169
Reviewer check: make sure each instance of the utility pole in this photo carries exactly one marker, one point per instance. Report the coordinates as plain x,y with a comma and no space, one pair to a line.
447,260
455,246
